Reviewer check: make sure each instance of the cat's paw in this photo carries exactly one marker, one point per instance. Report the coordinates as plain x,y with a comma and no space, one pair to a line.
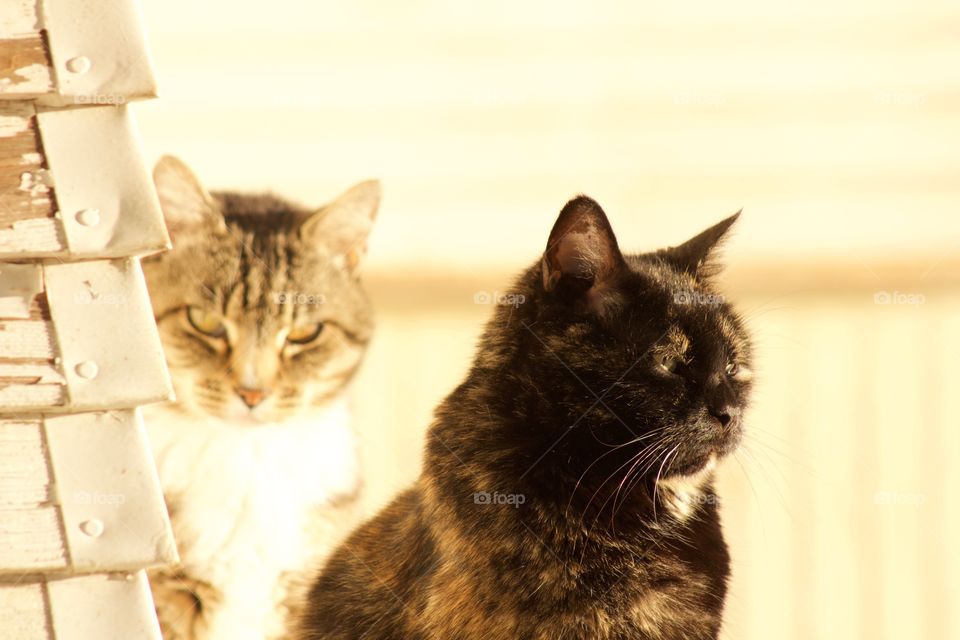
180,602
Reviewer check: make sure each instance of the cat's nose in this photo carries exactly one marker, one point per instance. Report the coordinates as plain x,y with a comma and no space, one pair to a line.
251,397
724,415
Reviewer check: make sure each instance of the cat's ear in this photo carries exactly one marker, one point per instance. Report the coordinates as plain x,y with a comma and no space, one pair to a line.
582,254
697,256
185,203
344,224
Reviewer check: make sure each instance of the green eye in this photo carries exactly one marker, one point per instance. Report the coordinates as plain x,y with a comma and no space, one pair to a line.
732,369
305,334
207,323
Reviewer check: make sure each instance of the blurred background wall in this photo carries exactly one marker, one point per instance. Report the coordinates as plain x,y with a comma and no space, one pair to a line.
836,126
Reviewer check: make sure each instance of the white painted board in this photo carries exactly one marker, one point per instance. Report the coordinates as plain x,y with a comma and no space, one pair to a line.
105,607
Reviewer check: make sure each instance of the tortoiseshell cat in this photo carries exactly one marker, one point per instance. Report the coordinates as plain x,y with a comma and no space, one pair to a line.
263,322
567,486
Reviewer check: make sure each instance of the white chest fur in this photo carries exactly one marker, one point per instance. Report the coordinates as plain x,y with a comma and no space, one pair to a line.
683,495
243,499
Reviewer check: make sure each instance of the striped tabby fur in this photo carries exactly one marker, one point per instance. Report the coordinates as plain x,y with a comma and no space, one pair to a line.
264,322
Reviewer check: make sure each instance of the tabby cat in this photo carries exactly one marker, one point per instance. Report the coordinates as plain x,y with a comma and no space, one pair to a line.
264,322
567,485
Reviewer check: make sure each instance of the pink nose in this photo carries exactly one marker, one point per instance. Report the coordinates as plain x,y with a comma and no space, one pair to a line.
251,397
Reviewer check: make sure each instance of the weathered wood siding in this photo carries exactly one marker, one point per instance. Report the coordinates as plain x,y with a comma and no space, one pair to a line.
81,509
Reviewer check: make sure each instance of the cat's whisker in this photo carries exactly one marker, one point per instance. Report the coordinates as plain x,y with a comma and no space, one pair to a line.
756,430
650,434
614,510
648,459
637,478
770,481
651,451
753,436
759,458
603,484
656,481
753,490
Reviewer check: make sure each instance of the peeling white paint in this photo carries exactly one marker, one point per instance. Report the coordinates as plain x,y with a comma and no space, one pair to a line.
19,18
101,330
117,66
135,531
32,540
31,339
80,493
26,397
38,181
39,235
15,119
78,607
95,157
40,373
38,75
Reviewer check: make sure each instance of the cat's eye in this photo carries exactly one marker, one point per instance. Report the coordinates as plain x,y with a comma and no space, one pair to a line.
732,369
209,324
667,363
305,334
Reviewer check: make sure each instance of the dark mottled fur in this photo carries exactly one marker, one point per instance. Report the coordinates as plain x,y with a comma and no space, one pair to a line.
602,399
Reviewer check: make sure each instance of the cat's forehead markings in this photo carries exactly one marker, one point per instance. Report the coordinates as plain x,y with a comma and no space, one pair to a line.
678,339
673,344
209,295
734,336
727,329
233,301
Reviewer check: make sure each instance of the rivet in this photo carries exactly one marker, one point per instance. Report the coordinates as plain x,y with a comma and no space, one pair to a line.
93,528
87,369
88,217
80,64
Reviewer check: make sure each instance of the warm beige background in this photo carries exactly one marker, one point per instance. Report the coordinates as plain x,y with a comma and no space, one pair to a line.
836,126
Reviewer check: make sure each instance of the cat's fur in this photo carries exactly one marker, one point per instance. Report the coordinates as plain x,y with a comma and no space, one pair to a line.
257,456
567,486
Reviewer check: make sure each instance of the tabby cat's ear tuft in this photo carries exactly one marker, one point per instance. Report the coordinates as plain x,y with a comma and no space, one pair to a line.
582,252
185,203
697,256
344,224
